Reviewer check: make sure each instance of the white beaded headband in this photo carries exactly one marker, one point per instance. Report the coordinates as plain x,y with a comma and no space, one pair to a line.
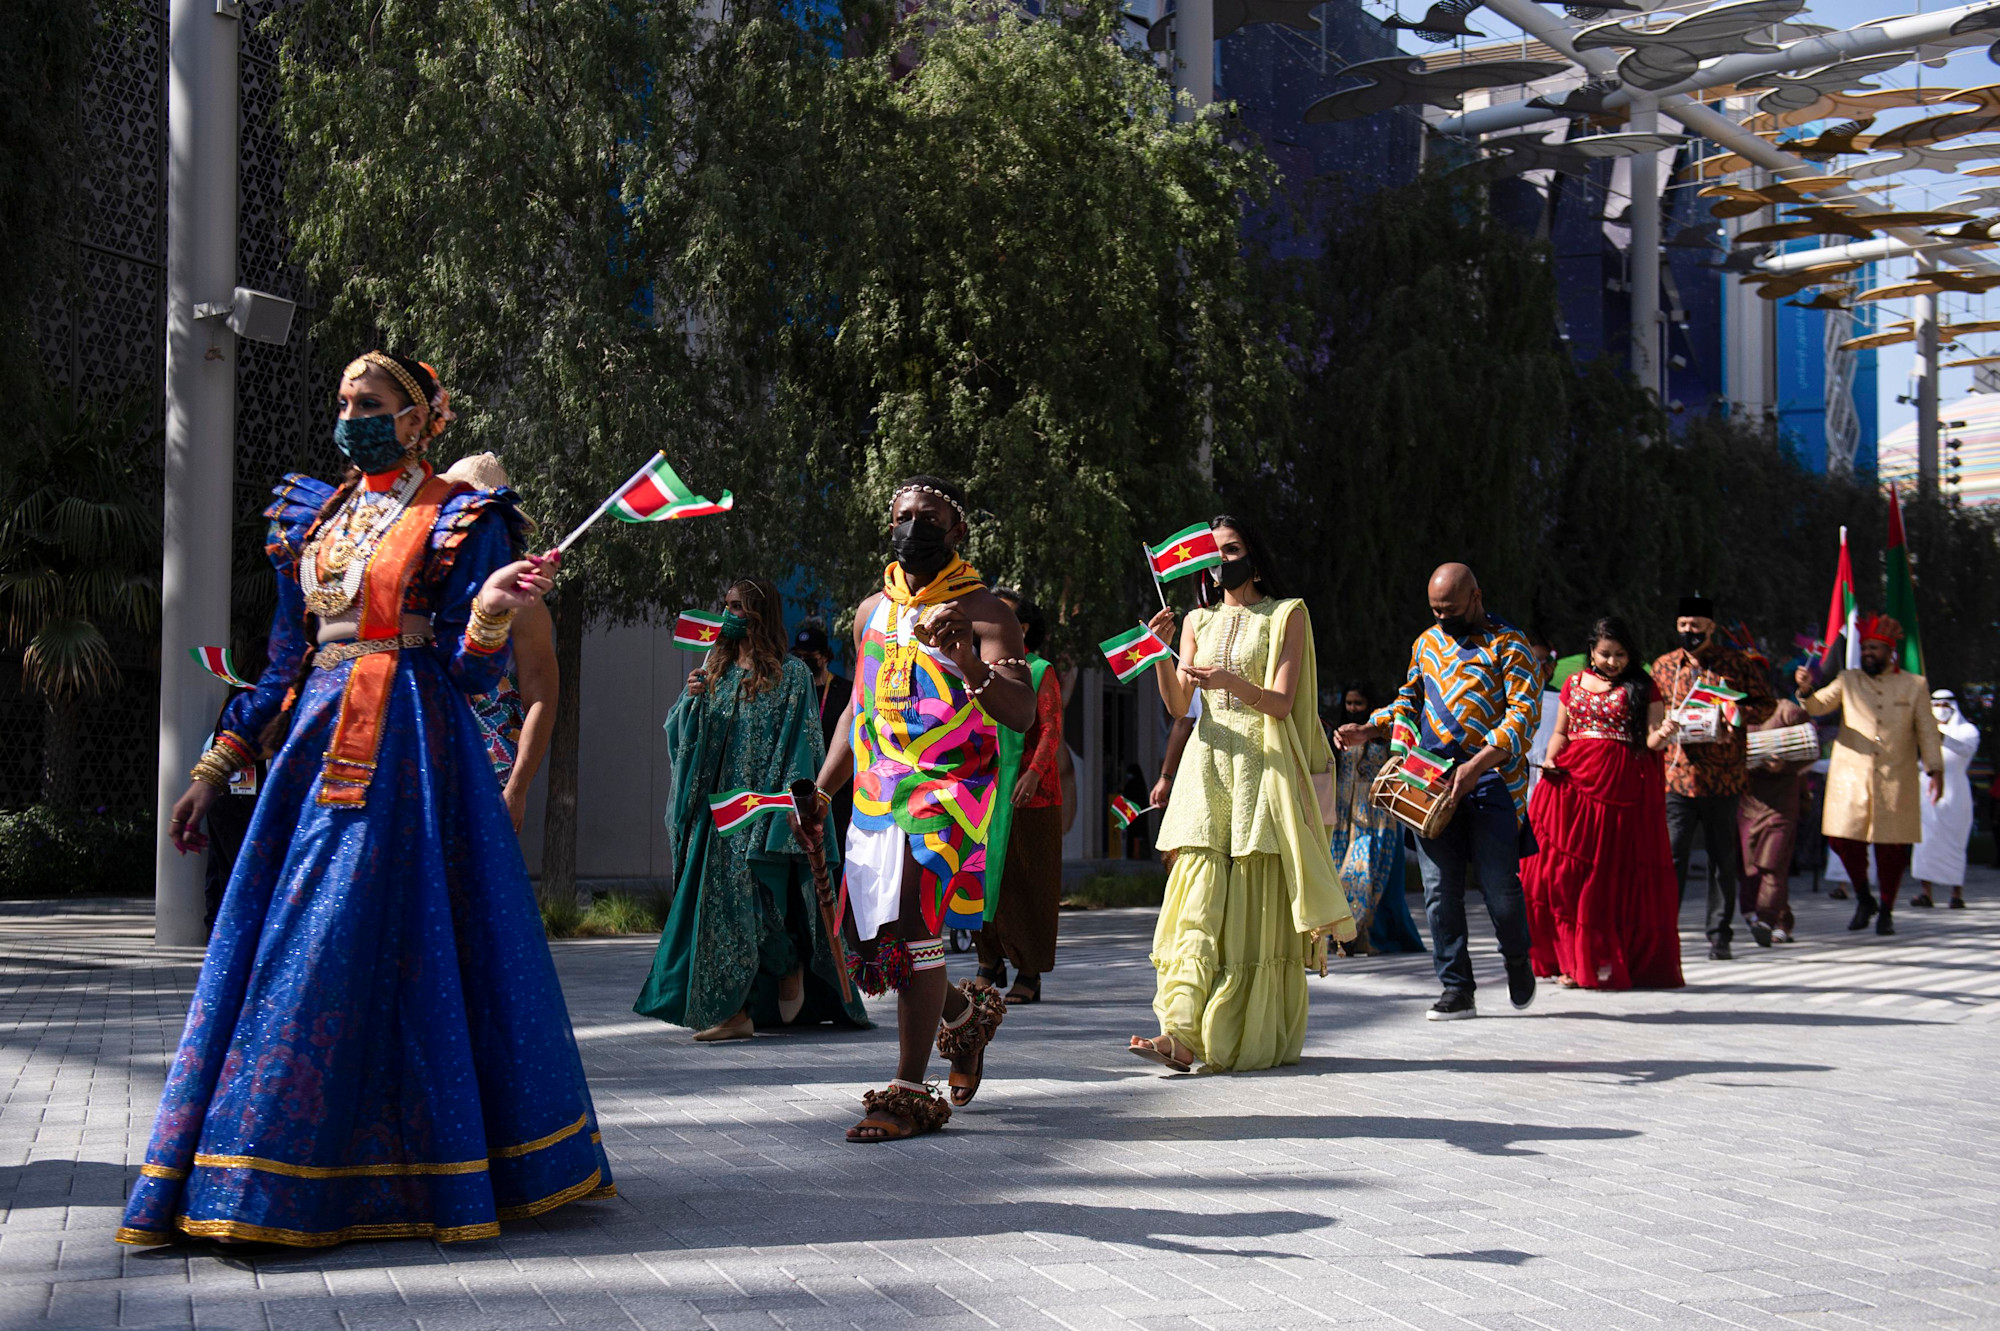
932,491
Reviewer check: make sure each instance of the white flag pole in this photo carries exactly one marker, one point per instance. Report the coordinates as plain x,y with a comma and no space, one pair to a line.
611,499
1146,553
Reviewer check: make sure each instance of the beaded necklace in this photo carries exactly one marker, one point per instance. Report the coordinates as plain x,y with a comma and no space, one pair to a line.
347,542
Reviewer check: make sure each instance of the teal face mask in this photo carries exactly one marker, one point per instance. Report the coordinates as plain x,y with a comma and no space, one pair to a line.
734,626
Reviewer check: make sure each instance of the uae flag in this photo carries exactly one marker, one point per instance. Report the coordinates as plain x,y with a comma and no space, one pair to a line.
733,808
697,630
1125,812
655,494
1900,599
1717,695
1132,651
1421,768
219,662
1840,615
1188,551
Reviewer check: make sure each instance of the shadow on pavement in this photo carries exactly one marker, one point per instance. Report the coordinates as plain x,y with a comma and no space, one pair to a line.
1635,1072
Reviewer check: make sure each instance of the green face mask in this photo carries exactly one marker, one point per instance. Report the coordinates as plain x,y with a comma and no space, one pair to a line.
734,626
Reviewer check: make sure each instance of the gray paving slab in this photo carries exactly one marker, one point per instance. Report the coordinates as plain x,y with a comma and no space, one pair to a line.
1800,1138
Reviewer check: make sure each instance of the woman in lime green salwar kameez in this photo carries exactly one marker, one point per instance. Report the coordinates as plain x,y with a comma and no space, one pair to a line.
1252,884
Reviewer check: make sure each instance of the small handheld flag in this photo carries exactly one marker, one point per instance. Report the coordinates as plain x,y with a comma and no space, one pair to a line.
696,630
1421,768
1717,695
653,494
1187,551
656,494
221,663
1132,651
1125,812
733,808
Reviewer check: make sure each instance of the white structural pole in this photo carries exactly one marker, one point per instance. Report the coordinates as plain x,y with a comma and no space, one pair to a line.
1860,251
1925,313
1750,376
1644,258
200,421
1830,48
1194,45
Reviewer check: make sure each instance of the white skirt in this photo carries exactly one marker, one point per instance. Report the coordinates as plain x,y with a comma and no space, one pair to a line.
875,861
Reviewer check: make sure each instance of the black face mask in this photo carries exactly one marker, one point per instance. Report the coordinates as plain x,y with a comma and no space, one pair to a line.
1873,667
922,548
1233,573
1694,642
1457,626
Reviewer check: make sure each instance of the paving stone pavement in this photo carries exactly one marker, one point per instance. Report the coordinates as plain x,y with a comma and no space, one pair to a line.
1804,1137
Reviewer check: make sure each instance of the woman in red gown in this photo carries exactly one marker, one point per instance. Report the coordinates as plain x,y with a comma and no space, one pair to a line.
1602,902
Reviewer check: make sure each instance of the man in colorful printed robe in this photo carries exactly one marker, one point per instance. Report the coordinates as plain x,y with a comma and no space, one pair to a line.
940,666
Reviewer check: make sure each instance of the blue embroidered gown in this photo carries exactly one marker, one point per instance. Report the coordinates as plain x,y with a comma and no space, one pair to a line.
377,1047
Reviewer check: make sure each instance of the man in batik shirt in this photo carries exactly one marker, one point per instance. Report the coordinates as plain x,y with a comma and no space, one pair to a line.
1706,776
1473,697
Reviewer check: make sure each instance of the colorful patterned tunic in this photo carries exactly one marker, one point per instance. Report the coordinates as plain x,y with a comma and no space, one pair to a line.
925,758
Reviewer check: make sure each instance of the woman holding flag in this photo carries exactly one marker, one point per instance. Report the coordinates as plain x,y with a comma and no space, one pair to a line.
1252,882
744,943
377,1046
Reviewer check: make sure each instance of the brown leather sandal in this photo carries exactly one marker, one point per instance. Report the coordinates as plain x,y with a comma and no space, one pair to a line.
969,1038
897,1112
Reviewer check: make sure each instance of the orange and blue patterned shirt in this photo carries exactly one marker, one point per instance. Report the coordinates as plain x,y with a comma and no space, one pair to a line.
1464,694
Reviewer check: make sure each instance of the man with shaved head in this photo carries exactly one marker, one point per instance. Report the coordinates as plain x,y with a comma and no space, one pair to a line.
1473,696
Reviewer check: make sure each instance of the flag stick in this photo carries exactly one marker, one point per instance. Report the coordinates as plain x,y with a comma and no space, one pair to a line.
1146,553
604,507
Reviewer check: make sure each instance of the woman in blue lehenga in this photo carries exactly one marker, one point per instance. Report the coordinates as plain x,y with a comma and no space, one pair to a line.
377,1046
1367,843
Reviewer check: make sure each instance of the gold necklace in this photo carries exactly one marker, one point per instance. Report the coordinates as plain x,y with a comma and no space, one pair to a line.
347,543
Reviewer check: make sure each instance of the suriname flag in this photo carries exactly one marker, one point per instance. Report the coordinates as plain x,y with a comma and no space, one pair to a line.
1125,812
655,494
697,630
1132,651
1421,767
219,661
733,808
1187,551
1716,695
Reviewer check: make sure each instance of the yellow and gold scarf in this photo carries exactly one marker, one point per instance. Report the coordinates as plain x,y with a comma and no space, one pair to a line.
954,580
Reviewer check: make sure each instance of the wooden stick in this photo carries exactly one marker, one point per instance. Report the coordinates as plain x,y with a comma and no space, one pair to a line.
812,819
1157,586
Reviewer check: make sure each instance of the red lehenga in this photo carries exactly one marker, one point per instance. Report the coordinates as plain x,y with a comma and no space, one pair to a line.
1602,904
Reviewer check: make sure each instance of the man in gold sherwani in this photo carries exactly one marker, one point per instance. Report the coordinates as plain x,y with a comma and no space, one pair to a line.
1886,727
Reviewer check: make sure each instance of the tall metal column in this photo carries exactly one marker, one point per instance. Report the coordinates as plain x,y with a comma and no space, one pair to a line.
1927,391
1644,256
200,419
1194,45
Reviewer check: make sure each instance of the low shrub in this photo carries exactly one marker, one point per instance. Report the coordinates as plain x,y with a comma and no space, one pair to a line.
624,913
48,852
1104,891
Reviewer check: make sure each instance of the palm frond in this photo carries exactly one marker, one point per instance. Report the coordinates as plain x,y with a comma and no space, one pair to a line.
68,657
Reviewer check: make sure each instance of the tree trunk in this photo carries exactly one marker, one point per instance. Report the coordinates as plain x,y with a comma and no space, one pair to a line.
559,817
62,732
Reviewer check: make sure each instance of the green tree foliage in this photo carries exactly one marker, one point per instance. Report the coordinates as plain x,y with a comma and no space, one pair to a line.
1438,417
1041,292
79,563
800,266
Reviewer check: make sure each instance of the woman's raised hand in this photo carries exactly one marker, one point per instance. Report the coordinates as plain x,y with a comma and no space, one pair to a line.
1162,625
518,585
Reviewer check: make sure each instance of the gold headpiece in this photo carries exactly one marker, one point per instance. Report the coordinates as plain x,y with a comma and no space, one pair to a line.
381,361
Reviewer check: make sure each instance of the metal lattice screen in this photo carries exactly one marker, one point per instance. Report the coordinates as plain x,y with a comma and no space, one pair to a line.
103,337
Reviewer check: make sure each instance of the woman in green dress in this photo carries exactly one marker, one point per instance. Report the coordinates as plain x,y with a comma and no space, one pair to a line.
744,944
1252,884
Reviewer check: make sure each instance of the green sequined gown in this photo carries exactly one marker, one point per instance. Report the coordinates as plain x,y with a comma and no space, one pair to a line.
744,912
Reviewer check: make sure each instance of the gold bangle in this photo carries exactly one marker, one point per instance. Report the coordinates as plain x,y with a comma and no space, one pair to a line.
215,767
488,631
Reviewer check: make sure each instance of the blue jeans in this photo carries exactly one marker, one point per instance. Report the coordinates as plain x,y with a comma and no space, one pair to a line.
1483,835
